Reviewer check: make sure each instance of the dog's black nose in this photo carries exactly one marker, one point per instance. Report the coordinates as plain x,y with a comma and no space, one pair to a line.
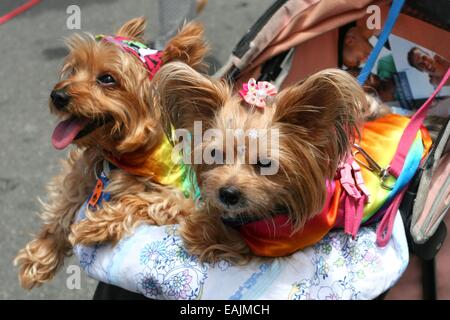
229,195
60,98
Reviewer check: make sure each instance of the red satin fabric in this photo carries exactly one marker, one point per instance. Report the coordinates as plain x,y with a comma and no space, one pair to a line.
277,239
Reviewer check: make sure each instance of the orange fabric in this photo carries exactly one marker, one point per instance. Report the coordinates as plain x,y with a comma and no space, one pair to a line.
96,194
261,238
140,164
427,141
305,61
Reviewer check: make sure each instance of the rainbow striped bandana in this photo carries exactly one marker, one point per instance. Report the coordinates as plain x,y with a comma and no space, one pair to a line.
379,139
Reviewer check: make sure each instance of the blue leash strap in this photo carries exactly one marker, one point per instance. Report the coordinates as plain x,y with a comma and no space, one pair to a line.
389,24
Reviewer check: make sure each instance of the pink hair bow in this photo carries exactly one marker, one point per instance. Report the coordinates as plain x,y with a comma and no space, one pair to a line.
256,93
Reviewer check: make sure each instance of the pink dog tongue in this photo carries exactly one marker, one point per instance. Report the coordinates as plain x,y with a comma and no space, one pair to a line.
66,131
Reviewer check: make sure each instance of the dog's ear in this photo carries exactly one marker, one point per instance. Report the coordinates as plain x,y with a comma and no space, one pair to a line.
185,96
133,29
325,110
188,46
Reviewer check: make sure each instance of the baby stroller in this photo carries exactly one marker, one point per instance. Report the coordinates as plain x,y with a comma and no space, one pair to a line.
291,40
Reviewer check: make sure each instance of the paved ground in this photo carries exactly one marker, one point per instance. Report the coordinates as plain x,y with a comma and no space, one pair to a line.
31,53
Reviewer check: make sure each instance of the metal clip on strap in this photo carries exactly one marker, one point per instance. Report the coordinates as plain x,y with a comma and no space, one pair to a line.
373,166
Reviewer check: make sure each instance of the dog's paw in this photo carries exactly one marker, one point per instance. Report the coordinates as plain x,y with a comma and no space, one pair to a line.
88,232
171,210
38,262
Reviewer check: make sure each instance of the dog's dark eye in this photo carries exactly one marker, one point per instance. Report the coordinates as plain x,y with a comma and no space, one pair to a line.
106,79
264,163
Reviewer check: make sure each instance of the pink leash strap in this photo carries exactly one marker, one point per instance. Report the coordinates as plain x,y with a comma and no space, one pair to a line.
354,209
384,228
355,195
411,130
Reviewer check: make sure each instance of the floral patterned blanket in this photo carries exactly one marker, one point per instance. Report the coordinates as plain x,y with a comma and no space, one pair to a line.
154,263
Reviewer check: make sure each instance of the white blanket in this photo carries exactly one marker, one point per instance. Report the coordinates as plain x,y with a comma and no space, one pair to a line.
154,263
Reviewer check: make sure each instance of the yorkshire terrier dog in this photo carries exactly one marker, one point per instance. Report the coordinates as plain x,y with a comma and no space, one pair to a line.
317,120
105,104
